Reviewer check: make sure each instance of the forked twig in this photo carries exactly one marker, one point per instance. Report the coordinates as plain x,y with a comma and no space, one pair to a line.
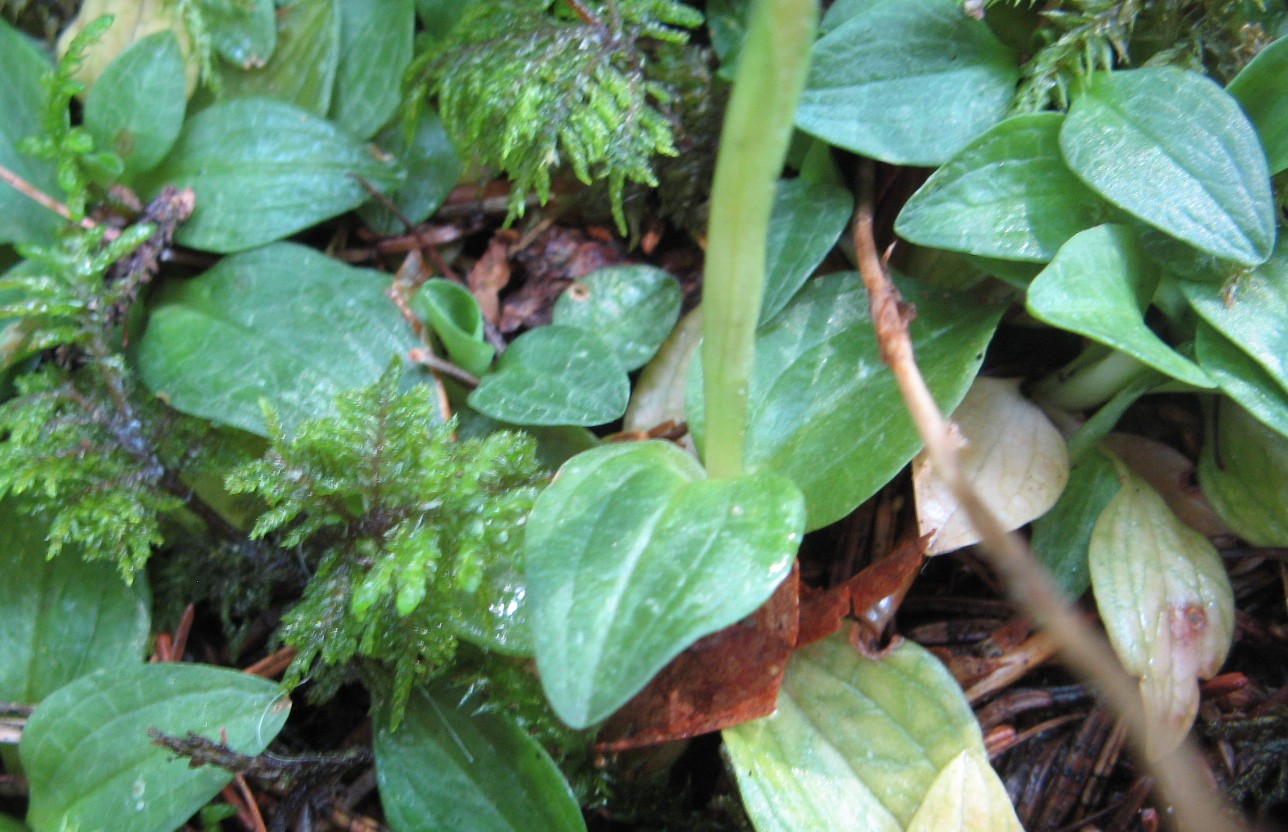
1199,807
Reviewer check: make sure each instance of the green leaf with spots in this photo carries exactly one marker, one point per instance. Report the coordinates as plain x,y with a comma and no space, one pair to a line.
630,308
555,375
632,554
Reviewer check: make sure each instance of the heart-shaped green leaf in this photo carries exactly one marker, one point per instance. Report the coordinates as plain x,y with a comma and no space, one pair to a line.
243,31
891,97
282,323
1168,608
92,765
24,69
375,50
457,321
1251,312
65,617
1244,474
967,796
1098,285
1241,378
303,66
1008,194
137,109
825,411
450,766
263,169
630,308
1173,149
806,221
855,743
554,375
632,555
1259,89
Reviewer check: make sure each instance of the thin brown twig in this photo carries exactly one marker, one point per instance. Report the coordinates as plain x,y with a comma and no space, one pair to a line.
1198,805
33,193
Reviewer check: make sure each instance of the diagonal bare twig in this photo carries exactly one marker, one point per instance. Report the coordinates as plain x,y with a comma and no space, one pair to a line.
1198,805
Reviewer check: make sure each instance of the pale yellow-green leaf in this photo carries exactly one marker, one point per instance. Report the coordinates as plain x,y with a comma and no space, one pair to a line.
1166,602
1012,453
967,796
855,743
659,393
133,21
1244,472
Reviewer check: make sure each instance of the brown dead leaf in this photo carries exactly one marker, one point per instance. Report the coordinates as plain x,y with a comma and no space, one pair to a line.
490,275
724,679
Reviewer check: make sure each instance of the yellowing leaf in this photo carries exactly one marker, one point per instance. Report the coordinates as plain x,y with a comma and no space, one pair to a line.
967,796
1012,453
1166,603
133,21
658,396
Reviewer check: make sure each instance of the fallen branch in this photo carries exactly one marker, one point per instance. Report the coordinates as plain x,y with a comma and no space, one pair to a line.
1198,805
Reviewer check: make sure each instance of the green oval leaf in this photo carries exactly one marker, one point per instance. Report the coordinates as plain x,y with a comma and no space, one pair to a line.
555,375
282,323
25,70
1173,149
632,555
1250,312
1061,536
855,743
825,411
136,109
263,169
1098,285
932,81
243,31
432,166
631,308
1008,194
303,66
457,321
375,50
450,767
90,761
65,618
1244,474
806,221
1259,89
1168,608
1241,378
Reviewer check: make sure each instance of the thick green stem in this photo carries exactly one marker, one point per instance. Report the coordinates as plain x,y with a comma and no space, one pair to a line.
757,128
1085,384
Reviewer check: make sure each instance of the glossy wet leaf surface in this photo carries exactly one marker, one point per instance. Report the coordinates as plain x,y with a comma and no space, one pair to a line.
210,350
632,555
825,411
264,169
450,766
137,110
630,308
63,618
88,755
1099,285
1176,151
1008,194
375,49
856,743
807,220
555,375
1259,90
889,97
